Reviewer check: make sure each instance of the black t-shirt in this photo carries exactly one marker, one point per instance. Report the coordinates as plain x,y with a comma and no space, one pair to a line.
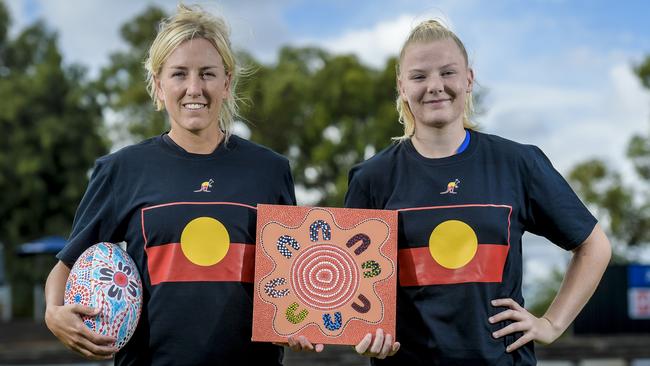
461,219
196,312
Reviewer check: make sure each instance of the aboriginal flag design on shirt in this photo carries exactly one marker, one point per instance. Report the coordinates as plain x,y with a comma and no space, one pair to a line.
199,242
453,244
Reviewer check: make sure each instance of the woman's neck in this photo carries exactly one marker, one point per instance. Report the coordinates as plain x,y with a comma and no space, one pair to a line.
435,143
202,143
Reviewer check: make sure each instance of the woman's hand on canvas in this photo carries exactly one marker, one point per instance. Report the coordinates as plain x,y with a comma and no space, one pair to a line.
301,343
381,346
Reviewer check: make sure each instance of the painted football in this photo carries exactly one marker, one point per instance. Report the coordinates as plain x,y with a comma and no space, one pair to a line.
105,276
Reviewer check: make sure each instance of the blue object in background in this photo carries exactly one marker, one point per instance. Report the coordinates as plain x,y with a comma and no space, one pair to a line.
44,245
638,276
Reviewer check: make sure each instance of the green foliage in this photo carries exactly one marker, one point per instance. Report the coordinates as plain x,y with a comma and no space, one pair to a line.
51,135
639,152
628,220
323,112
121,85
4,28
643,71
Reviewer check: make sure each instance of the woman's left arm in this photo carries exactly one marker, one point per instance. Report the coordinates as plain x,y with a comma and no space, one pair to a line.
587,266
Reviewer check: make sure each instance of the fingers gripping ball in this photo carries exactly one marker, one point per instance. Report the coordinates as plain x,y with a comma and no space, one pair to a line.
105,276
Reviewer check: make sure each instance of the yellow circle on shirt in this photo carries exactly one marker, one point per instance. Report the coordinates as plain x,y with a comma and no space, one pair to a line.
453,244
205,241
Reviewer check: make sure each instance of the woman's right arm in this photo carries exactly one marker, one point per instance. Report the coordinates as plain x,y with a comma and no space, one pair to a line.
66,323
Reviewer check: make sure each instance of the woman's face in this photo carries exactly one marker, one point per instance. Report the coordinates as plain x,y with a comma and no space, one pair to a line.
193,84
435,82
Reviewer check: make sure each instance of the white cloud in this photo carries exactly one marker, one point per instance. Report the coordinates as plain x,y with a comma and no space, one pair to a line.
571,125
257,26
89,30
374,45
573,99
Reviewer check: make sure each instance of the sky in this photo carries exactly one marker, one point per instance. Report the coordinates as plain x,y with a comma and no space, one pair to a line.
555,73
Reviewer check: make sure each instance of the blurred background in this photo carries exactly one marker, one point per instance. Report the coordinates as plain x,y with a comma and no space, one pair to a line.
572,77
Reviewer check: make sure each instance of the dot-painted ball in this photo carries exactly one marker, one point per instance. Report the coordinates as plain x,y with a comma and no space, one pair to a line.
105,276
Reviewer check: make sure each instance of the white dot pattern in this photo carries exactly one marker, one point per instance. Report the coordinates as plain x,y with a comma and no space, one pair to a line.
324,277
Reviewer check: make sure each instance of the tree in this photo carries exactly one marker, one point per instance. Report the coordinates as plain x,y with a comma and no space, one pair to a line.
324,112
121,85
51,134
626,209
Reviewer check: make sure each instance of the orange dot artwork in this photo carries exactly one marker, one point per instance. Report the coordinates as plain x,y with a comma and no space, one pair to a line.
326,273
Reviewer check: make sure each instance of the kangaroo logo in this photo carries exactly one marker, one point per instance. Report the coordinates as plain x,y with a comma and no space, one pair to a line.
451,187
205,186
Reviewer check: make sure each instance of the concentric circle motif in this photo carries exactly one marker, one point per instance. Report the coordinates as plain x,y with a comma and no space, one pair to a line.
324,277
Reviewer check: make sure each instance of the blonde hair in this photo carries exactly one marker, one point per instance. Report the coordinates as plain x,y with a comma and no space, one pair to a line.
428,31
188,23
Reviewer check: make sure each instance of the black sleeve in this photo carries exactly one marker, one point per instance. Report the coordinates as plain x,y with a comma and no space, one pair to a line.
95,217
553,210
287,190
358,195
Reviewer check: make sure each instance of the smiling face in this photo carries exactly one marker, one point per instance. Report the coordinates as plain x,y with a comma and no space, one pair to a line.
192,85
435,81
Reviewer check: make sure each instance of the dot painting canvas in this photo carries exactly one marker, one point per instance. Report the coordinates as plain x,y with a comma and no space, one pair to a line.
326,273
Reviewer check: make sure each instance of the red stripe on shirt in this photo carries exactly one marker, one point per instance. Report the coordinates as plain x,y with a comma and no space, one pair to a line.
167,263
418,268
